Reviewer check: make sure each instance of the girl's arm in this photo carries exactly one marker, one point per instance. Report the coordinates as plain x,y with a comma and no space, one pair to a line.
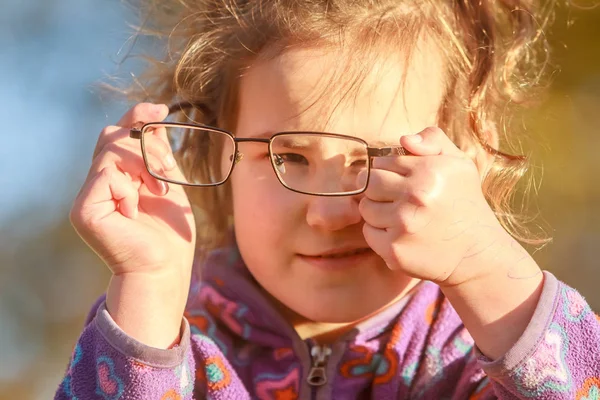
535,336
144,231
109,364
556,357
432,221
497,306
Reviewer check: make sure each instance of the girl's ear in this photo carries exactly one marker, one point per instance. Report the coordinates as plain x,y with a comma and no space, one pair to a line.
485,159
490,132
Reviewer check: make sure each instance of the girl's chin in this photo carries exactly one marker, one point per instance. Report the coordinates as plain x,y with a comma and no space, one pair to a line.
326,325
341,315
338,311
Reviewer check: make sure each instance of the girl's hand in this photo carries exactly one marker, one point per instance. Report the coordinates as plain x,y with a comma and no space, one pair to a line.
139,226
426,214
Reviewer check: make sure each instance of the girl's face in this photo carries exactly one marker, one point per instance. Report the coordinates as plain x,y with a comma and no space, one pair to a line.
309,252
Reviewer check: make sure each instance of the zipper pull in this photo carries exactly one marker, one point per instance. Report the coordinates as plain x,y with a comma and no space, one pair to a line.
317,375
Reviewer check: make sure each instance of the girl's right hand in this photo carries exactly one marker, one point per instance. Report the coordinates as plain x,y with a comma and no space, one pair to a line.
140,227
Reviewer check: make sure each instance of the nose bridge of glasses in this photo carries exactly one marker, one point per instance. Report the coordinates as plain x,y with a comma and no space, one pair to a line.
237,157
238,154
253,140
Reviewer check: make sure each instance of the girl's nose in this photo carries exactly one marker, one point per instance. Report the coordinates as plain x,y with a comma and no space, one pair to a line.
333,213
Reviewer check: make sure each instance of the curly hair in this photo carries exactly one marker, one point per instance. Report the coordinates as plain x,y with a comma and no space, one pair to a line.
495,53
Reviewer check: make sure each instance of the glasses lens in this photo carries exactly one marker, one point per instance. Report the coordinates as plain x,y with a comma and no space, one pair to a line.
204,157
319,163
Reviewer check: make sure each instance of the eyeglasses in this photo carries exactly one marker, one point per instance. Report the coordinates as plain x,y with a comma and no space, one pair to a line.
313,163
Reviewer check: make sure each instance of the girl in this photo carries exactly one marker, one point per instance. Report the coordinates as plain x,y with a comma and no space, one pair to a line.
353,237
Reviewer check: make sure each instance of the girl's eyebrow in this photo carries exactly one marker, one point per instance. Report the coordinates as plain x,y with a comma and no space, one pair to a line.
371,143
262,135
293,142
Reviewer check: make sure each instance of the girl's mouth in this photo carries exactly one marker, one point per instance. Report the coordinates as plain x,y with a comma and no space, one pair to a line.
339,260
342,254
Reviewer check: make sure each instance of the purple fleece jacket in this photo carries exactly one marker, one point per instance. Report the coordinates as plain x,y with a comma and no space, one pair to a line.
236,346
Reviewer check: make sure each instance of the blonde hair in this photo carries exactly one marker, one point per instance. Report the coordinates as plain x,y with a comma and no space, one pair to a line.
495,53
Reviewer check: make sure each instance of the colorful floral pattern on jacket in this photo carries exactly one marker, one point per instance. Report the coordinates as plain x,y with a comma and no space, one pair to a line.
236,346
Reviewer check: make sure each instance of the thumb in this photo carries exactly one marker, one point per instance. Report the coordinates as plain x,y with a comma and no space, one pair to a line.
431,141
362,179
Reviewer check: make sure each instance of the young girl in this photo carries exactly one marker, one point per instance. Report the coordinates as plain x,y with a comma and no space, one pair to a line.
354,240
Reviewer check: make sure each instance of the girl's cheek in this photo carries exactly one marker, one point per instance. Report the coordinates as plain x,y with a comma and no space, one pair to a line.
257,189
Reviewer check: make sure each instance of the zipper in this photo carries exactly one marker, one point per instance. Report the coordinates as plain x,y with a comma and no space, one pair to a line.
317,375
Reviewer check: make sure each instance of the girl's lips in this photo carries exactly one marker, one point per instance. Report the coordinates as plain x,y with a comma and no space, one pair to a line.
339,254
339,260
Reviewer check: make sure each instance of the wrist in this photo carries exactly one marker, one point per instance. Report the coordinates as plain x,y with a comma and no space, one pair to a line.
497,305
494,254
148,307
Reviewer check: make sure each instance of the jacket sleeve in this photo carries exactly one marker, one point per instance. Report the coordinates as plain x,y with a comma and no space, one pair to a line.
558,355
108,364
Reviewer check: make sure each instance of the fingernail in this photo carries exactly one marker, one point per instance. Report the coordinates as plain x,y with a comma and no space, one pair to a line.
158,108
415,138
170,161
164,188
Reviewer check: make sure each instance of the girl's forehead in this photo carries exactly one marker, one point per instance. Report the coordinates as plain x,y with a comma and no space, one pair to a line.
325,90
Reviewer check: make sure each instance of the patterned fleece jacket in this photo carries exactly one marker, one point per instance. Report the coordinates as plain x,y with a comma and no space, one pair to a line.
235,345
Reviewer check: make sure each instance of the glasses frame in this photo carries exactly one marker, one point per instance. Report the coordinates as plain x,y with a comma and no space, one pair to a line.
387,151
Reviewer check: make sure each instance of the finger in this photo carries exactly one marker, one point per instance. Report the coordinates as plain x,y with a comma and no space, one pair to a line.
160,150
132,164
412,167
125,194
142,113
380,241
384,185
401,217
429,142
156,141
400,164
381,215
161,133
108,135
108,191
137,115
362,179
163,168
120,136
155,185
392,163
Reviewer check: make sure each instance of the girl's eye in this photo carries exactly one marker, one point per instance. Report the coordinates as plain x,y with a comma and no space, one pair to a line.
359,163
293,158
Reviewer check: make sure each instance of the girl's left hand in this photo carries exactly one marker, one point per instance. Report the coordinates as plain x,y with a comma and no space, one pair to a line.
426,214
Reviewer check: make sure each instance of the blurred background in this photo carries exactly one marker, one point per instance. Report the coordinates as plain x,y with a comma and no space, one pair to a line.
53,54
